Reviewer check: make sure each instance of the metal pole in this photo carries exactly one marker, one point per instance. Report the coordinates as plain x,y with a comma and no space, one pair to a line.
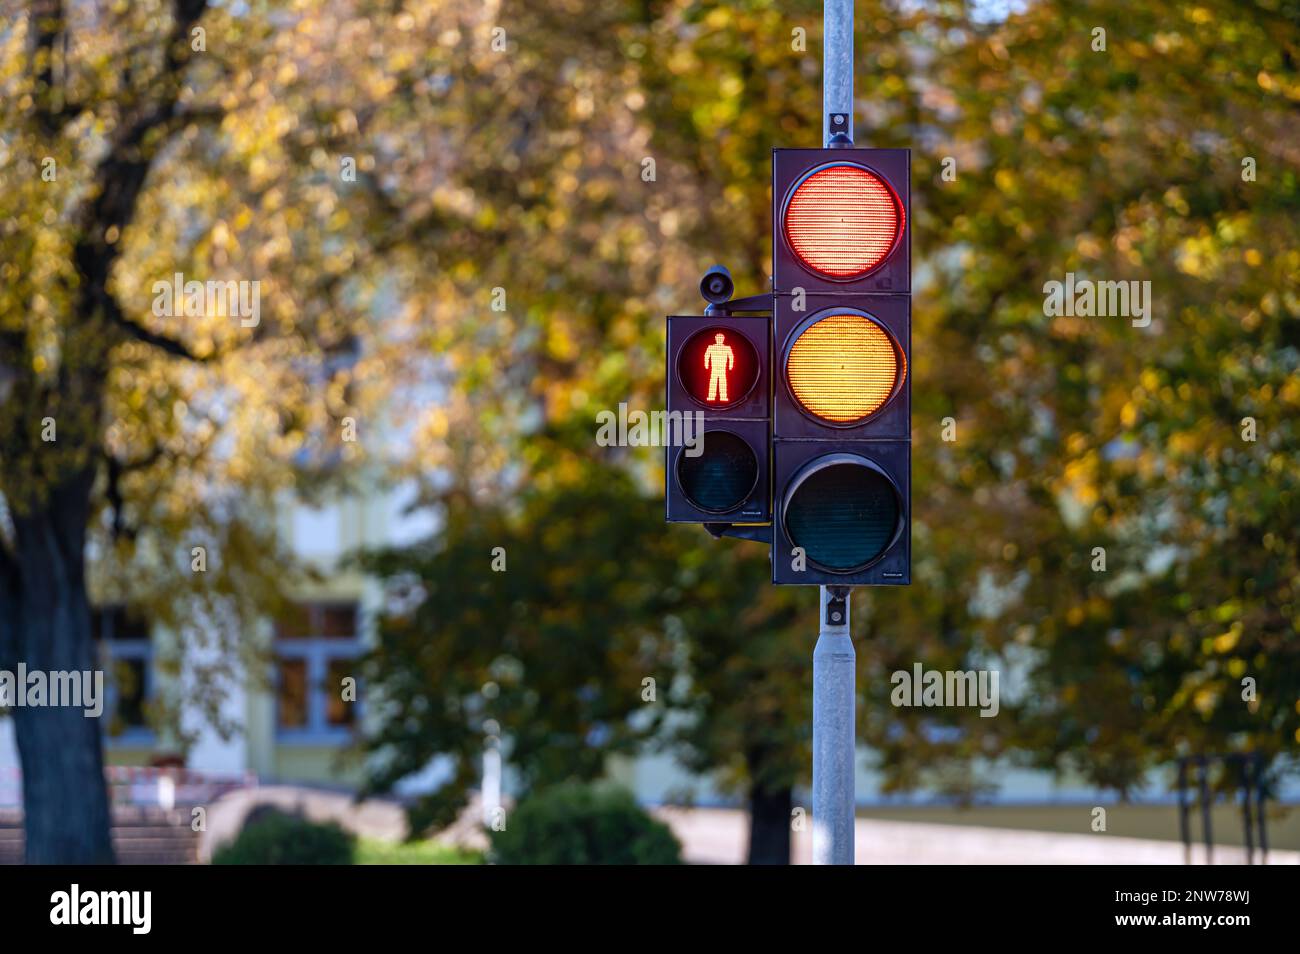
491,794
834,660
1247,809
834,663
1206,805
1259,808
837,70
1184,828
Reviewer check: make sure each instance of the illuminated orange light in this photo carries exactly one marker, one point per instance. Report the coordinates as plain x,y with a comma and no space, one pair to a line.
843,368
842,221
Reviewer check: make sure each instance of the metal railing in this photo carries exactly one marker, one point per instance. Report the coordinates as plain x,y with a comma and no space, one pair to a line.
1246,773
145,786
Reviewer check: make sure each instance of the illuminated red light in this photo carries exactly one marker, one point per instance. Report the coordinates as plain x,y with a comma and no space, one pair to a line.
718,367
842,221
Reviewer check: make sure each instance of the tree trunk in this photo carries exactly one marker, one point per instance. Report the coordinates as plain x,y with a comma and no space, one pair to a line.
44,610
65,798
769,826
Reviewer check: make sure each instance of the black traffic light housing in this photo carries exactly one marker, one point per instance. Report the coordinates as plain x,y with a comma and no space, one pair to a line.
790,168
791,419
809,448
841,425
799,556
689,335
726,481
729,481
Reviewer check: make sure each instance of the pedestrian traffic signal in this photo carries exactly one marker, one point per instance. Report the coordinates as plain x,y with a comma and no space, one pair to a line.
718,367
841,348
718,456
717,482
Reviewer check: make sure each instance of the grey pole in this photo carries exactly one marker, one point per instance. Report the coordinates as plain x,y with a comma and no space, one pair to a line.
837,69
833,731
834,660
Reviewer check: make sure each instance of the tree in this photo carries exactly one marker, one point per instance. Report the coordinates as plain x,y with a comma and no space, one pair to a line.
45,610
1034,155
538,622
744,710
525,199
138,142
1141,564
638,138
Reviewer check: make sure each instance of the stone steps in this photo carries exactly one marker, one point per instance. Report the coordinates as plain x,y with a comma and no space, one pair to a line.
141,836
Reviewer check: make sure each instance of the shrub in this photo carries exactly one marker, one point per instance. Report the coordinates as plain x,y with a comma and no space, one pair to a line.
583,825
276,838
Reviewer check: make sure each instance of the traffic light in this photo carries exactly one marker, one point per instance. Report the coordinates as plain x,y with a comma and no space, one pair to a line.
719,421
841,366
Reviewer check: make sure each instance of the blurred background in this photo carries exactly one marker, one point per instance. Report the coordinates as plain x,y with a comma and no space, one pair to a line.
367,546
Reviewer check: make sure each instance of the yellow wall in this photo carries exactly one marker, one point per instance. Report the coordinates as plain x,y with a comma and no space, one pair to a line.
325,764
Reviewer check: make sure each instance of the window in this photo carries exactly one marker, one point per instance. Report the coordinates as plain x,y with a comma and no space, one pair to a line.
131,680
118,623
338,711
338,622
317,646
126,653
317,621
293,694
